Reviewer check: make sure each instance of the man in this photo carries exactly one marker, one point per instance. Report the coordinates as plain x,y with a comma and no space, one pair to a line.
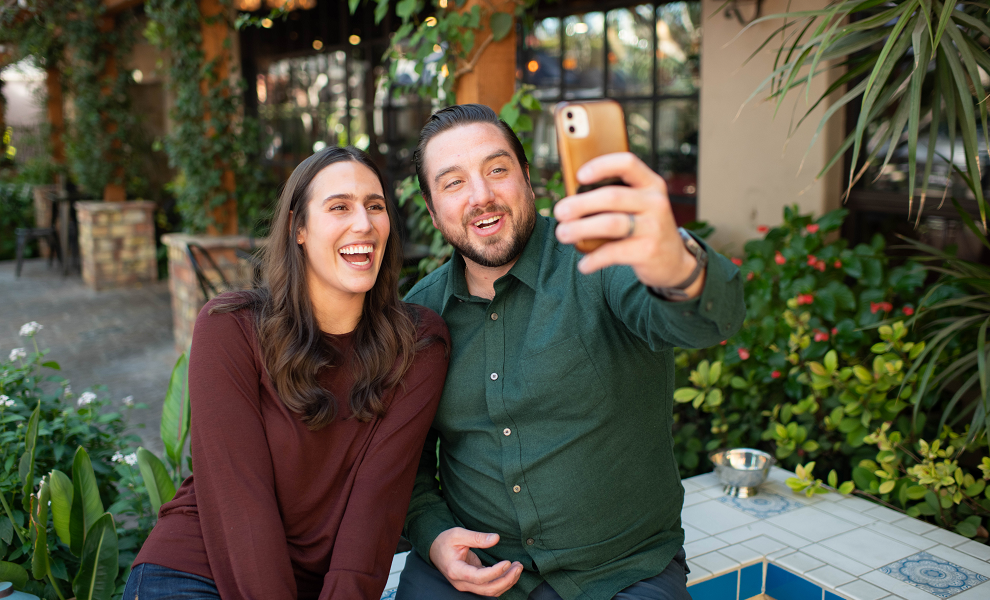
557,472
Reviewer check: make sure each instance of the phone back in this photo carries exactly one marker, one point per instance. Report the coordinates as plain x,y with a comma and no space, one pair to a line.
606,134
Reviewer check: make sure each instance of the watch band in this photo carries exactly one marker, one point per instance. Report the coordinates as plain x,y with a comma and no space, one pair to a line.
677,292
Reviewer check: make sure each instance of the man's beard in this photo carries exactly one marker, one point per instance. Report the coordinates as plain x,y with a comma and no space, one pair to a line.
498,252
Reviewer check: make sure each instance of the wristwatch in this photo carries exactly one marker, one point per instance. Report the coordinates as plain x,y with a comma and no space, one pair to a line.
677,293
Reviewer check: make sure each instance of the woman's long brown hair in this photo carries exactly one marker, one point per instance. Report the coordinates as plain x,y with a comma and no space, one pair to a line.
293,346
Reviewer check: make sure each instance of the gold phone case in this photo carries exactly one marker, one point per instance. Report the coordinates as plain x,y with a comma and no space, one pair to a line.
606,134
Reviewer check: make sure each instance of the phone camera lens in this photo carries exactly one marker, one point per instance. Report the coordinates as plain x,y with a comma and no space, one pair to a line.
571,129
570,115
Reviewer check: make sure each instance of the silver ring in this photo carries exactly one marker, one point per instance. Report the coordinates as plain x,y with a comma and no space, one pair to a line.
632,226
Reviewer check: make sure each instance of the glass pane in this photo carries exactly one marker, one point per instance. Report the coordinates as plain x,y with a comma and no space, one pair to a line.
677,145
584,43
639,128
678,48
542,58
630,51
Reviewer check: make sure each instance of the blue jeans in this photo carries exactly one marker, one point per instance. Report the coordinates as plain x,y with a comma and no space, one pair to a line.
420,581
154,582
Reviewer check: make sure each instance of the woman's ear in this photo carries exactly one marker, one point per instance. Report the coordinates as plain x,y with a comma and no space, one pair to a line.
300,235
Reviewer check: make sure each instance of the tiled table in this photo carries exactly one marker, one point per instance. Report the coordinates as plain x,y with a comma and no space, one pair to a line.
828,547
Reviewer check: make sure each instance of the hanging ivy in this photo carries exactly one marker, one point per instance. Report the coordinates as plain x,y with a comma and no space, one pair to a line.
210,134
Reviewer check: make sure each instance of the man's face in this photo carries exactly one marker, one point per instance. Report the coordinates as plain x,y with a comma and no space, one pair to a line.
482,201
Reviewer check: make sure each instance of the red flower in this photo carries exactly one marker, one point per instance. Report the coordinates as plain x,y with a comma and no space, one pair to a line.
884,306
762,229
775,375
812,260
779,258
835,330
805,299
821,336
743,353
820,265
737,261
749,276
908,310
874,307
723,342
837,264
813,228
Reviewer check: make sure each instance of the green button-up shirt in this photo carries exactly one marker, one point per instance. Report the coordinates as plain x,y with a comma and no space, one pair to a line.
555,421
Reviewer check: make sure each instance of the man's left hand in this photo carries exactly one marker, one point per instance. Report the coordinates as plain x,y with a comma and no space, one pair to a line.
637,219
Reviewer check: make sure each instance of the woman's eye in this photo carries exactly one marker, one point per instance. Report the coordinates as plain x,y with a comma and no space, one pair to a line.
377,207
338,207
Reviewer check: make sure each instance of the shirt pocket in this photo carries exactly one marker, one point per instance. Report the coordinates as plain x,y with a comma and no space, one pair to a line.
563,380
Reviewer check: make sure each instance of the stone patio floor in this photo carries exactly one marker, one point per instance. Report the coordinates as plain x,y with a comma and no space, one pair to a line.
120,338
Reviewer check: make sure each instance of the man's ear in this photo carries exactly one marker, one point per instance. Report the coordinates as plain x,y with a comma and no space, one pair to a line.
429,207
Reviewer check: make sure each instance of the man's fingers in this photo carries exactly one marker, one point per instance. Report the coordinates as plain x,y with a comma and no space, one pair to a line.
612,225
619,252
472,539
495,587
462,571
624,165
615,198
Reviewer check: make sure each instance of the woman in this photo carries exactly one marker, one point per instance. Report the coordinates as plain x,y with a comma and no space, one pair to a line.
311,399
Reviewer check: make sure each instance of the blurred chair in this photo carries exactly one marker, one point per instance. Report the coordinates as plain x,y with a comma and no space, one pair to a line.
50,234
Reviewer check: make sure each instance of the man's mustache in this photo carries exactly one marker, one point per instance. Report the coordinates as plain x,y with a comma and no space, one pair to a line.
474,214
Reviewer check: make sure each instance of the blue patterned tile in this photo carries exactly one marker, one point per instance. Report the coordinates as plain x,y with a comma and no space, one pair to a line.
932,574
763,505
751,581
388,595
722,587
784,585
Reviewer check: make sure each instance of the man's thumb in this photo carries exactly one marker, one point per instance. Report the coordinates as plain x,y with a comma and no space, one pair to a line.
483,540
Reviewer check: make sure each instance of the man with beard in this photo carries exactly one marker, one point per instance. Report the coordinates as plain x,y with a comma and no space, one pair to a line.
557,471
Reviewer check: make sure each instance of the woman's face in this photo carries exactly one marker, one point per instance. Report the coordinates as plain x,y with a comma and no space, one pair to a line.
346,231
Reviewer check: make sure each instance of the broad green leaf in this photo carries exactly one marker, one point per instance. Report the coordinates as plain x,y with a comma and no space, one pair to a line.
6,530
501,24
715,373
175,412
156,479
39,533
685,394
98,567
847,488
13,573
887,486
61,493
833,478
969,526
916,492
977,488
714,397
831,361
87,508
698,400
405,9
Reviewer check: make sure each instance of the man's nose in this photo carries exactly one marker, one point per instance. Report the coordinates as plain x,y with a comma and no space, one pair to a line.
481,192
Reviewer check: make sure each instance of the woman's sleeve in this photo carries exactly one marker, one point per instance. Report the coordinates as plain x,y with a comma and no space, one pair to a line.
232,467
376,509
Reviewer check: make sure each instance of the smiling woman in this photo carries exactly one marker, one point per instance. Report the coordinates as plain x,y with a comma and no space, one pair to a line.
312,397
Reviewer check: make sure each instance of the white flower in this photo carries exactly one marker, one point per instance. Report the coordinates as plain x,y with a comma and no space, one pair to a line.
131,459
128,401
29,329
17,353
6,401
117,457
68,390
86,398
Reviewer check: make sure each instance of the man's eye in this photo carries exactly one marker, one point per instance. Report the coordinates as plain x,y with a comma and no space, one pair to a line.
452,183
498,170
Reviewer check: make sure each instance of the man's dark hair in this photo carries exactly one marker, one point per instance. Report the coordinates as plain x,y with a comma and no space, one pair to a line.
455,116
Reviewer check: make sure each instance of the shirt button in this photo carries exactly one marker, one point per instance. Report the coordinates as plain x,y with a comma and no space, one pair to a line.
530,542
507,431
494,376
708,305
494,316
516,489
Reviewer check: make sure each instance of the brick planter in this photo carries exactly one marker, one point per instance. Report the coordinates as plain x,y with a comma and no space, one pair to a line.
187,295
117,243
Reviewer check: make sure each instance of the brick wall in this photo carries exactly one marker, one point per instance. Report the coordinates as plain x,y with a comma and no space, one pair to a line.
117,243
187,294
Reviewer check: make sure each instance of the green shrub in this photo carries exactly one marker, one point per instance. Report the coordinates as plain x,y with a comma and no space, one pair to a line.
16,210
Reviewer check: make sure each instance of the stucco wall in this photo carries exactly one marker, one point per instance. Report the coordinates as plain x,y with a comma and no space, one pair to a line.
745,174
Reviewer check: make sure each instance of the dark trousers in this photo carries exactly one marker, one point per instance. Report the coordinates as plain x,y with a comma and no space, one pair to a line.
420,581
154,582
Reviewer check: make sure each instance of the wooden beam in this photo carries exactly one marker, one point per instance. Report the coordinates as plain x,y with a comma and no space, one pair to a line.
492,81
56,114
117,6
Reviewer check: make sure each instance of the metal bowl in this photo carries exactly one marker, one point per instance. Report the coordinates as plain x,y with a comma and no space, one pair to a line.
742,470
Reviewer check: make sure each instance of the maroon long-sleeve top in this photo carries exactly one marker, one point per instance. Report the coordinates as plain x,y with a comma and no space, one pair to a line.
276,510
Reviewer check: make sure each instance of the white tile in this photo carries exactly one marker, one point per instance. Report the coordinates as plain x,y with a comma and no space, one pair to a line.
831,497
712,492
703,546
763,528
811,523
838,510
778,474
857,504
882,513
713,517
916,526
706,480
905,537
690,486
902,589
744,555
980,592
799,562
694,498
946,537
861,590
697,573
836,559
692,535
773,557
716,563
777,487
963,560
980,551
398,562
764,544
393,581
829,577
869,547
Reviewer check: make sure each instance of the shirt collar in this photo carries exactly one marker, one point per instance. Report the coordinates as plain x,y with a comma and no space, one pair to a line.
526,269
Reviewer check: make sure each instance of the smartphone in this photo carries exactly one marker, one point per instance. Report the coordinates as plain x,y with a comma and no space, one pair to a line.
585,130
